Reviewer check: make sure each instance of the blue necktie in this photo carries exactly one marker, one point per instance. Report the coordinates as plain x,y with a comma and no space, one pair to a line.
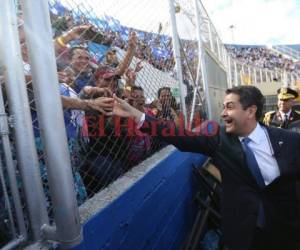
252,163
254,168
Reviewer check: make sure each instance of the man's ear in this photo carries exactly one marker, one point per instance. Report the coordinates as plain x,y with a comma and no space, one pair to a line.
253,110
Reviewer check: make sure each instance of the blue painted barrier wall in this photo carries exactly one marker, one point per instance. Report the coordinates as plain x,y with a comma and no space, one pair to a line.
155,213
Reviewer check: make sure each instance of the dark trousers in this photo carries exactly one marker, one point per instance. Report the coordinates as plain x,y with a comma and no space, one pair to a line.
264,240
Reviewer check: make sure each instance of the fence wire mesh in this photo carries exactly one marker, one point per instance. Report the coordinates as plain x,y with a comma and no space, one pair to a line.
137,65
98,56
111,47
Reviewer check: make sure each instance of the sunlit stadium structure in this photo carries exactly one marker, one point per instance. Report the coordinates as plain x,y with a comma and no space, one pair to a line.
140,197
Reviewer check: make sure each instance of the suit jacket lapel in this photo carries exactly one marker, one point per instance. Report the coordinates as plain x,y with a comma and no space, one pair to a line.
277,142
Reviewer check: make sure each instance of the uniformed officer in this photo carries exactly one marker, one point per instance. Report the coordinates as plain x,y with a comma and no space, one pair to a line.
285,114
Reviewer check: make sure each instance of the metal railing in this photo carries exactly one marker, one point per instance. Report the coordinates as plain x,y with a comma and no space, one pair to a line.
23,140
287,51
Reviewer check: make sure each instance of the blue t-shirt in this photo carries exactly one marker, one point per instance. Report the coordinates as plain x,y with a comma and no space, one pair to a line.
72,118
82,80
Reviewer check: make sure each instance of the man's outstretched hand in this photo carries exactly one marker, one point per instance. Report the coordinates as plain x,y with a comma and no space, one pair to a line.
124,109
102,104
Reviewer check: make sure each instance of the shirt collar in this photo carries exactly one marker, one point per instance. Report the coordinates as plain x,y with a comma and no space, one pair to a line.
256,135
283,114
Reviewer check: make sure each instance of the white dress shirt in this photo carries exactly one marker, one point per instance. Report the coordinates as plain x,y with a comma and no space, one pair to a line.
285,114
264,154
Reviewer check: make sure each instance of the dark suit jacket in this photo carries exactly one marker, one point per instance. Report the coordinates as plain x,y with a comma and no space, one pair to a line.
241,194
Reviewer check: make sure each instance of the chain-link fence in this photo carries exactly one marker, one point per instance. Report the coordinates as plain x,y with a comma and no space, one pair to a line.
96,56
102,48
150,83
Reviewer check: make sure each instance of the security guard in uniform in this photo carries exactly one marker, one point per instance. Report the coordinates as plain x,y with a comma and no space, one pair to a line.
285,114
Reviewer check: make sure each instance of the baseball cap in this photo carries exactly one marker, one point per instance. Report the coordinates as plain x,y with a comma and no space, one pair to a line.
106,73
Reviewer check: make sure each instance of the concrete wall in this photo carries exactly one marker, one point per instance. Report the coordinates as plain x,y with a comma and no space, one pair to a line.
269,88
151,207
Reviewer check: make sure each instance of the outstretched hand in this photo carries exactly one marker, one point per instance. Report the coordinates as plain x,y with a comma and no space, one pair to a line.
124,109
138,66
132,41
77,31
97,92
102,104
130,77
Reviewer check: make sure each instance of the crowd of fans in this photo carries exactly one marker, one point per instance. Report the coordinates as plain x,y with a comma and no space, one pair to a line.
153,48
100,144
156,48
262,57
107,156
150,46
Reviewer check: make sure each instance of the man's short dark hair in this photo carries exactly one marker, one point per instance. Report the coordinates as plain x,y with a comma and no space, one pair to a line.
161,89
249,95
137,88
74,48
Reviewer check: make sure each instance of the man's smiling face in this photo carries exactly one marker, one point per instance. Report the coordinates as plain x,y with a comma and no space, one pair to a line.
80,60
236,118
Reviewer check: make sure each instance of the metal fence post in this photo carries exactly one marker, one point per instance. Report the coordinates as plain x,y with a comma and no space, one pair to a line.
229,71
19,106
235,74
50,115
260,75
210,36
218,49
255,76
11,172
175,39
202,59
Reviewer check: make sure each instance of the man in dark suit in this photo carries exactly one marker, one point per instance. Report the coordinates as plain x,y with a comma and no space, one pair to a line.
260,168
285,114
